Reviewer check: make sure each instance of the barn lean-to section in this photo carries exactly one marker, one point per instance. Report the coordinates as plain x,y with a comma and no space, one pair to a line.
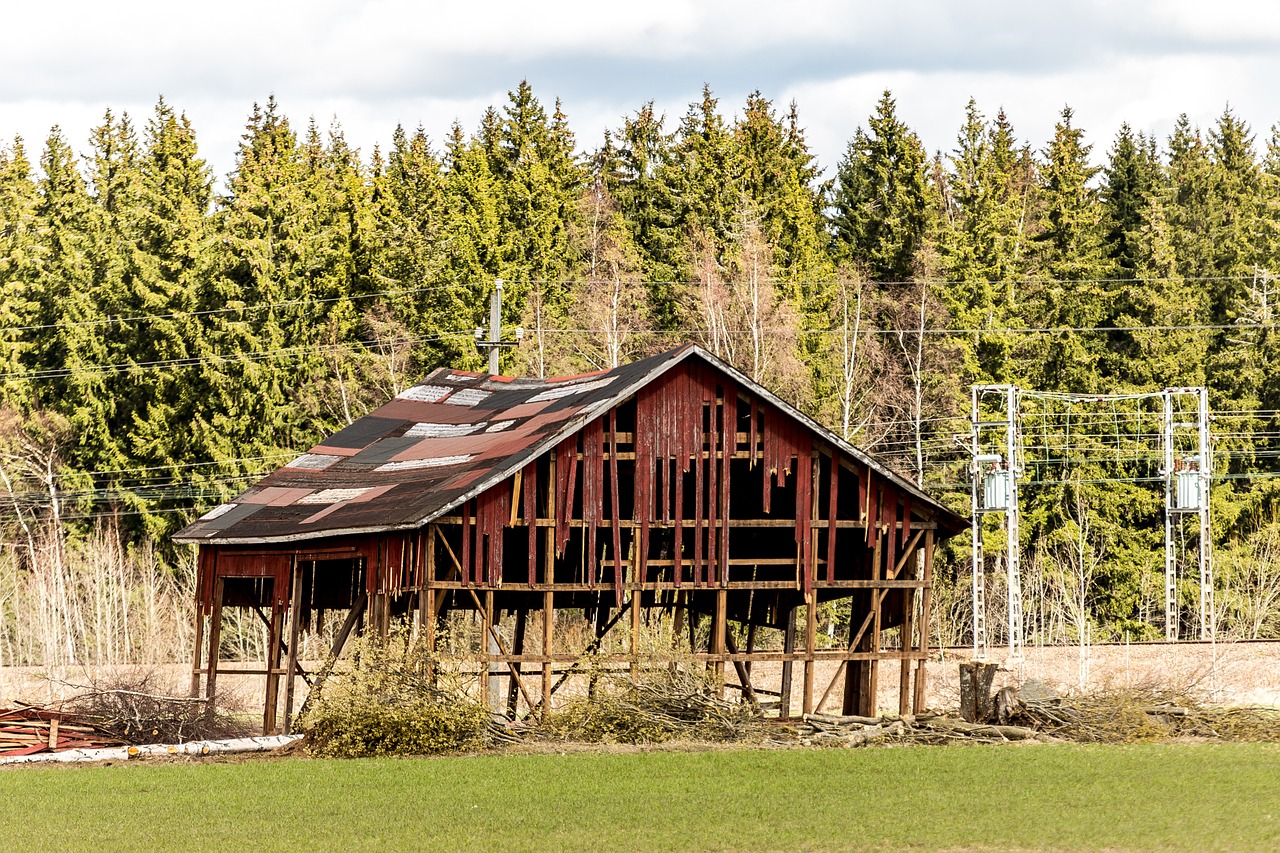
673,485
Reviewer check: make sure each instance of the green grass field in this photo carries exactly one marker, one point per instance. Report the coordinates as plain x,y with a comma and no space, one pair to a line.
1151,797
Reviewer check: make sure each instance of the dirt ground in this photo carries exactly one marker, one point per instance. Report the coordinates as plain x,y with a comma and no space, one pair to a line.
1222,673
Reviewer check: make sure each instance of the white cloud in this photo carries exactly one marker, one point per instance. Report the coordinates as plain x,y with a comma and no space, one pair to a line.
376,64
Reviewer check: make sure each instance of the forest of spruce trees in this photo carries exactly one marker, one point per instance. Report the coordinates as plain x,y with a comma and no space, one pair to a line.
167,335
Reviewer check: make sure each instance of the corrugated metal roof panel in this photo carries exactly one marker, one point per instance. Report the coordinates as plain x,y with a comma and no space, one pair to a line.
446,440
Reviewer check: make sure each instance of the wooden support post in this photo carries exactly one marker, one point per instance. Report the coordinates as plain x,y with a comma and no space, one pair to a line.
548,642
215,640
677,616
489,689
906,632
197,651
427,612
549,577
517,648
811,609
635,627
920,698
788,648
870,696
295,632
269,708
719,631
810,639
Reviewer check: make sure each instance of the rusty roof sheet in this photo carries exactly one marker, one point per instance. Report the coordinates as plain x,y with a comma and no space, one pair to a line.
442,442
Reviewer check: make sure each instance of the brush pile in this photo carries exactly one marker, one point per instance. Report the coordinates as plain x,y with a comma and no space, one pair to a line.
928,728
1132,716
136,713
665,704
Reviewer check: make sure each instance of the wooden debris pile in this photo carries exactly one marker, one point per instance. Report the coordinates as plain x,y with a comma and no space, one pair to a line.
29,729
663,705
136,713
1130,716
928,728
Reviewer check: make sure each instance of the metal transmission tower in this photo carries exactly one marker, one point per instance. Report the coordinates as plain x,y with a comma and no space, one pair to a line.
997,464
995,489
1187,472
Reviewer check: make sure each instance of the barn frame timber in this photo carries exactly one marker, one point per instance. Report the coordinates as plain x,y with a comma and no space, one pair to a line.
671,485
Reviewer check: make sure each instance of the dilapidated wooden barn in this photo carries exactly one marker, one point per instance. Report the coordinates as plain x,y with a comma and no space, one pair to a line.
672,484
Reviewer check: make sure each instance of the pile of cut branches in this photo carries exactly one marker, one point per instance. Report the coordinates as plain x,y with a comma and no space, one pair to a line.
929,728
136,712
662,704
1131,716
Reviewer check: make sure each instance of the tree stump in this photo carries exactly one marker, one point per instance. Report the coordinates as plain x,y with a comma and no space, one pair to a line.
976,678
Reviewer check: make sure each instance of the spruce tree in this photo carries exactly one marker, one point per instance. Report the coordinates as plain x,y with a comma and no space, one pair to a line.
702,174
169,411
433,299
980,241
19,269
1070,267
634,162
881,202
262,324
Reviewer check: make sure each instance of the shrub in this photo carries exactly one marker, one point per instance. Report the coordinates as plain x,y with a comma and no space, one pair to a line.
392,701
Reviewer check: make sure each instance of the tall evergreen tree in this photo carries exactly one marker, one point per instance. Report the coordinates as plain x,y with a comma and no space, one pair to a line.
1071,267
541,182
20,252
981,235
881,198
634,162
174,250
69,349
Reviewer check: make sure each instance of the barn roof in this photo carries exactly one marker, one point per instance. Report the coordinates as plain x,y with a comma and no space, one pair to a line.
444,441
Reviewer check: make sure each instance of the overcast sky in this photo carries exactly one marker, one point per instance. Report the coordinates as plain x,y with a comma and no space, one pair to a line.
376,64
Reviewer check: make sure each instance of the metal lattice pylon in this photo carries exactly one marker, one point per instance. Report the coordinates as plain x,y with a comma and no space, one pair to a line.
1187,472
995,489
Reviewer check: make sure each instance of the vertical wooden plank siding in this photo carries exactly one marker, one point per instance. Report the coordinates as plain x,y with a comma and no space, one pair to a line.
615,508
833,491
920,697
530,501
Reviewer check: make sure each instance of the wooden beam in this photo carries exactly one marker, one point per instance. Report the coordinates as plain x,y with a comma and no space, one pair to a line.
920,697
870,696
295,632
788,648
548,643
215,639
626,523
652,586
198,651
720,632
269,709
